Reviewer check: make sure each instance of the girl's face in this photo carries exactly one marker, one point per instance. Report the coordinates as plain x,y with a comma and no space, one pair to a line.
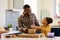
44,21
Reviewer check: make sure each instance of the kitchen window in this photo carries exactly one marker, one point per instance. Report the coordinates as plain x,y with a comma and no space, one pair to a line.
58,8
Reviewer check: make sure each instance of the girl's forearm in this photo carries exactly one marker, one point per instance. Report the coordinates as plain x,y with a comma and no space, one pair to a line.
37,27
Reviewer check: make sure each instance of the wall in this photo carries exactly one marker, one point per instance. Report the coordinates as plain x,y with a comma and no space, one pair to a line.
3,7
39,7
10,4
50,7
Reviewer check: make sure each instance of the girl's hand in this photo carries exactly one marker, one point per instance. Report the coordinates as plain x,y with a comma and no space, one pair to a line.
35,27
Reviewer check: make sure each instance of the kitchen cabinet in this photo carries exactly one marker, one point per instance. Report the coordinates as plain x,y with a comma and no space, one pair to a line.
15,4
12,18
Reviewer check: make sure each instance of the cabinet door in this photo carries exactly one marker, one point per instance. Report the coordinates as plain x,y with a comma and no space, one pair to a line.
12,18
8,17
15,4
18,4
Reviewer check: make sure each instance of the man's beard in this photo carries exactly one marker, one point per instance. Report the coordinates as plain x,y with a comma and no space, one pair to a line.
27,14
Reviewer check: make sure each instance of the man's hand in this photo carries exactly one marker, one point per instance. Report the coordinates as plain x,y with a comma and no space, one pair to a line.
24,29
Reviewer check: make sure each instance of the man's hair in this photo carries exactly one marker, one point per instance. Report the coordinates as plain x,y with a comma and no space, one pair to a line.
26,6
49,20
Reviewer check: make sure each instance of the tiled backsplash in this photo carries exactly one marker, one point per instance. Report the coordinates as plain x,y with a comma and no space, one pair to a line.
55,26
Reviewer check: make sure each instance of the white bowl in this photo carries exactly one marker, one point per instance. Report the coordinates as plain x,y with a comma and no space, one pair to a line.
51,34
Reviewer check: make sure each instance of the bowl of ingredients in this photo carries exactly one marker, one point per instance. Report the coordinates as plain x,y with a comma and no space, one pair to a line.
31,31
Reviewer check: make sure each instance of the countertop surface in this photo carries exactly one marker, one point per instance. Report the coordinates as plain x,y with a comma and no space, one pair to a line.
55,26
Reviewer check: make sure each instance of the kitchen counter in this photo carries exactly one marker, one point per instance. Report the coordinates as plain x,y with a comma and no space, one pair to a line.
55,26
29,35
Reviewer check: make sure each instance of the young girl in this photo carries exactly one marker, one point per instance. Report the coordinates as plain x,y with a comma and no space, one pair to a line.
46,28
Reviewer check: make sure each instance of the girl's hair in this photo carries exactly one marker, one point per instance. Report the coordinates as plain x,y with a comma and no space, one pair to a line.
49,20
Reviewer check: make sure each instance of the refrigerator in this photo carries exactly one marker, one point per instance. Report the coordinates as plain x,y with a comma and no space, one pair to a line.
12,18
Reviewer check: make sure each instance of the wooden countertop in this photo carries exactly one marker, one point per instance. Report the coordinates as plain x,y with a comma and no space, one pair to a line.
29,35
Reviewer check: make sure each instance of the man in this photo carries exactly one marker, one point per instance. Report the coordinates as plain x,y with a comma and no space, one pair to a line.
27,19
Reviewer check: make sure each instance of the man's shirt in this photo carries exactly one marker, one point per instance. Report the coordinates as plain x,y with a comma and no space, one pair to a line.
27,21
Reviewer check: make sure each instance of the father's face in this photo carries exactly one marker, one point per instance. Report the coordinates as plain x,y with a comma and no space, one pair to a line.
27,10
